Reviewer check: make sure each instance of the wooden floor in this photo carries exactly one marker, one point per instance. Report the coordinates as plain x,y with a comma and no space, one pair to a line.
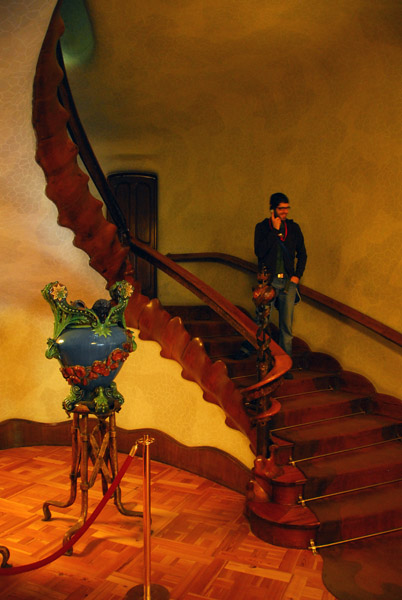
202,548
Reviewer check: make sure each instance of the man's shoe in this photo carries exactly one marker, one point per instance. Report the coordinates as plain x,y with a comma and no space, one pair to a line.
288,375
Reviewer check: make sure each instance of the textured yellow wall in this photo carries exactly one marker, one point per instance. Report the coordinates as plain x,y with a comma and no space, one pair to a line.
229,105
35,251
226,106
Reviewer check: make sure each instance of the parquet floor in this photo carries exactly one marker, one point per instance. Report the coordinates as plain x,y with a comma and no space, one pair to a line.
202,548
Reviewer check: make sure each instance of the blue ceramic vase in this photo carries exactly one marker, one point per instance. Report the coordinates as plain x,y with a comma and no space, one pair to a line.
91,345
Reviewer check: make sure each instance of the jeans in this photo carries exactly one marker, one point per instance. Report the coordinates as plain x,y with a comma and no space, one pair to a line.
285,301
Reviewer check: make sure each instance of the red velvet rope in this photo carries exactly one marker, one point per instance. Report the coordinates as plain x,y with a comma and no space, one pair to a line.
7,570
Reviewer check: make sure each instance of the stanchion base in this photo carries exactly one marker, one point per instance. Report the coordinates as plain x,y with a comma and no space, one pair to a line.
157,592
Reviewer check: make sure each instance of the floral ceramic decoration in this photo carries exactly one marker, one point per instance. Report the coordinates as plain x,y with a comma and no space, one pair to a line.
91,345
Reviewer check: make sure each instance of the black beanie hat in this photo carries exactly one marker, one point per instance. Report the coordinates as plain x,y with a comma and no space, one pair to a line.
276,199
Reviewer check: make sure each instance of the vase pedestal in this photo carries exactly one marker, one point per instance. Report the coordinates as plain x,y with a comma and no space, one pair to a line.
98,445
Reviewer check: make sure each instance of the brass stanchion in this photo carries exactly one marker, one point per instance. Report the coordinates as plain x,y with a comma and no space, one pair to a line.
147,591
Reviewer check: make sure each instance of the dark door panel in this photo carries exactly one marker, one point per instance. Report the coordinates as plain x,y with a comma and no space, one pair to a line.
137,196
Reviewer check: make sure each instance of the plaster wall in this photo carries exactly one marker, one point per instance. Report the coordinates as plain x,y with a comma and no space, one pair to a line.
229,103
35,251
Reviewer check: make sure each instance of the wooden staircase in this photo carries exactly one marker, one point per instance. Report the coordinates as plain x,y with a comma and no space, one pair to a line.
335,471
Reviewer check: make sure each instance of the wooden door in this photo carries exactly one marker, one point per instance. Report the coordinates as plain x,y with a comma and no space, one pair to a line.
137,195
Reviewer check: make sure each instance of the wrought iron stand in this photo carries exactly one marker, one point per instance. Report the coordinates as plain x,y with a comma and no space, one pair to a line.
98,445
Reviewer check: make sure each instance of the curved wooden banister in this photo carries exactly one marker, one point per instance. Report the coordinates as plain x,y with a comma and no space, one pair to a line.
339,307
220,257
80,139
228,311
355,315
236,317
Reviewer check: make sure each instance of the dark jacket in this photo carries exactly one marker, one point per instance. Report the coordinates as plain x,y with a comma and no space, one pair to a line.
266,243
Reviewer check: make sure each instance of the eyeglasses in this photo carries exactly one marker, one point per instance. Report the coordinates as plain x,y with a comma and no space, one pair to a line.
283,208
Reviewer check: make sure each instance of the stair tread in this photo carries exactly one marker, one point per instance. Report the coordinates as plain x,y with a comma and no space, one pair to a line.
358,513
375,562
353,469
355,460
232,337
245,381
305,381
338,427
301,374
290,476
321,397
385,459
368,499
317,406
295,516
206,321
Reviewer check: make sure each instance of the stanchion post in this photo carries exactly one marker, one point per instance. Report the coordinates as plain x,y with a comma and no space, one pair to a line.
147,591
146,441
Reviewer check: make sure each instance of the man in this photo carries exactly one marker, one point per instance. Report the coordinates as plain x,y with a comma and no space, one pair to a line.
279,245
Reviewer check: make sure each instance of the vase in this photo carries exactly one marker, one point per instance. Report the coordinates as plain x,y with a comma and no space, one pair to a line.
91,345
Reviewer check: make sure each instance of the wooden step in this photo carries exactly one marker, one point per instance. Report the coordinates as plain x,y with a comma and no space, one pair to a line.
193,312
316,406
288,487
358,513
288,526
210,328
370,568
353,469
223,346
337,434
241,368
244,382
338,473
314,361
307,381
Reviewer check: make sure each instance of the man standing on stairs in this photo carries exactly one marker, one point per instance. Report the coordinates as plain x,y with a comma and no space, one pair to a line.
279,245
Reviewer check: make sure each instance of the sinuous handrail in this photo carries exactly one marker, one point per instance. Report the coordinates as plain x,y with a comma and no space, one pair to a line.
220,257
87,155
339,307
233,315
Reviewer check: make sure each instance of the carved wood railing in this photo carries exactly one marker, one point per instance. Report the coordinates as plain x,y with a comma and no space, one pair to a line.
342,309
108,245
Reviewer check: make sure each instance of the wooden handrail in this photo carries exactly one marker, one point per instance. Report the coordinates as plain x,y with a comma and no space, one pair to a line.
339,307
226,259
80,139
355,315
236,317
228,311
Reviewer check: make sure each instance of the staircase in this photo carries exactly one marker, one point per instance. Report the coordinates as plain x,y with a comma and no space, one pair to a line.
337,450
220,340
